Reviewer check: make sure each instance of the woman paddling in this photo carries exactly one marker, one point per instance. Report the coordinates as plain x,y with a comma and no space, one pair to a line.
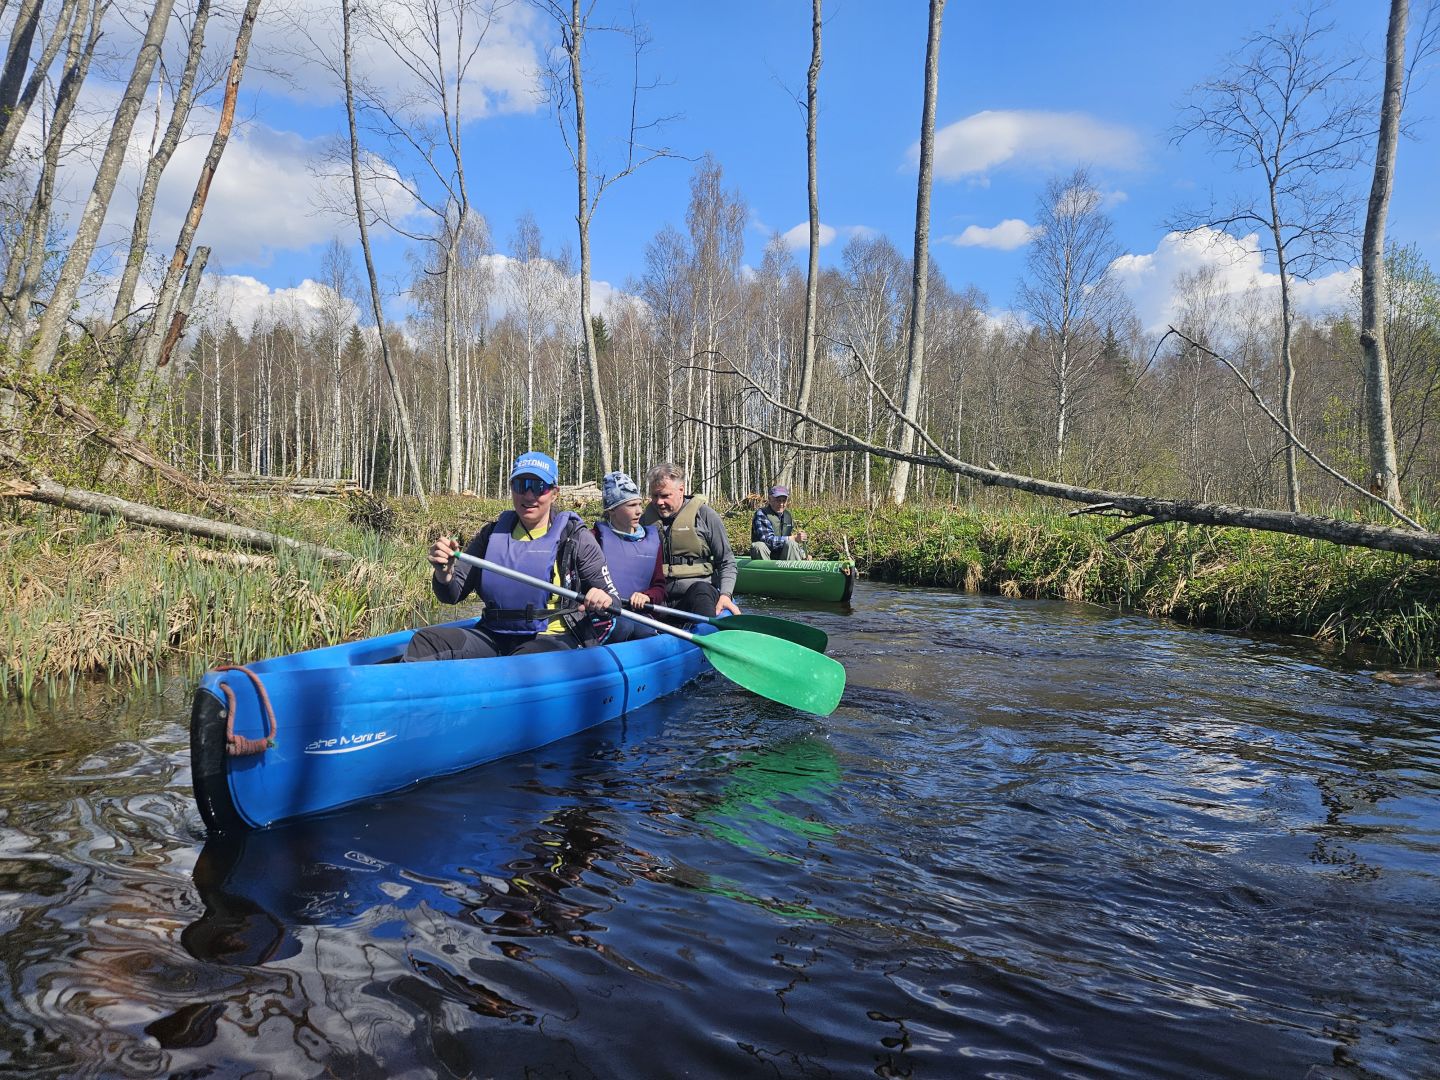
534,539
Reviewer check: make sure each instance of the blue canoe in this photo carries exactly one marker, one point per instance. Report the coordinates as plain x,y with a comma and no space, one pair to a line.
351,723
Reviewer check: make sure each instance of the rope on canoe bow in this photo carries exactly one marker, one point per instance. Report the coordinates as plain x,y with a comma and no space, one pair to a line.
239,745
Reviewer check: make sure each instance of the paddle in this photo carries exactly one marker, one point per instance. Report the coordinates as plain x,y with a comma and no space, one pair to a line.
769,666
812,637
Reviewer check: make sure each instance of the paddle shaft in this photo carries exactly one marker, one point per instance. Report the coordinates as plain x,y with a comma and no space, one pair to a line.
570,594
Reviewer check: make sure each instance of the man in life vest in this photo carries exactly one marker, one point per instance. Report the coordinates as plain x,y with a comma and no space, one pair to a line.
536,540
773,534
633,553
700,567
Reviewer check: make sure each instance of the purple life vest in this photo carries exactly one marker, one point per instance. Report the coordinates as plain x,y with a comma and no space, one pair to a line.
511,601
631,562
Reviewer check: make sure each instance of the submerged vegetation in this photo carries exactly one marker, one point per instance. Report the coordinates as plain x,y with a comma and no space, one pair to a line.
85,595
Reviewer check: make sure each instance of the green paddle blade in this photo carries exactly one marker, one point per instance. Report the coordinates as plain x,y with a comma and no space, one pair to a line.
777,669
812,637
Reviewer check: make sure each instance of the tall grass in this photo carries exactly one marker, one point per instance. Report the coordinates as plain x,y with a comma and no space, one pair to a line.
84,595
90,596
1384,606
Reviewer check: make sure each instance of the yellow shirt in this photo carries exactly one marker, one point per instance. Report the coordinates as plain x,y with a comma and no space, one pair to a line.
521,534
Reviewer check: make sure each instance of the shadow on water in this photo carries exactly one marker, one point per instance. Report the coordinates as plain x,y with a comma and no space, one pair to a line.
1035,840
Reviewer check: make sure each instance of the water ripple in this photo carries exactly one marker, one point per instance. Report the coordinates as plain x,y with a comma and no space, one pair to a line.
1036,840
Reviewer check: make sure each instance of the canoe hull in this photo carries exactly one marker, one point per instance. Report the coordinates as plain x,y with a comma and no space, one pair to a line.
811,579
352,726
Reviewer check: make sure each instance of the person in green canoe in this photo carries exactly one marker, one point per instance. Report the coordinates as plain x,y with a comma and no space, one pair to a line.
700,567
533,538
773,534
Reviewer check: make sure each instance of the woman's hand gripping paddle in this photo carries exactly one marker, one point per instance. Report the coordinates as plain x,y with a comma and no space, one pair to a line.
772,667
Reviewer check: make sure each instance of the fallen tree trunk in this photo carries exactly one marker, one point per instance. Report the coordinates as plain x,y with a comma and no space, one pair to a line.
47,491
254,483
1414,542
87,423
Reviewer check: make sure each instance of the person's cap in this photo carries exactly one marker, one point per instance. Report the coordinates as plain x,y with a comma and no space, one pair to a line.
779,491
534,463
616,489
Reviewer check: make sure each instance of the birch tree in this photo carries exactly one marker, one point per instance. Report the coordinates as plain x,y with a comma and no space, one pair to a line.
1384,473
812,266
159,159
1285,108
15,103
168,323
27,265
362,224
915,362
1070,295
436,43
566,83
107,174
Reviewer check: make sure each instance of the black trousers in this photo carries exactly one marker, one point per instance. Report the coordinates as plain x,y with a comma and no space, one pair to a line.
478,643
698,598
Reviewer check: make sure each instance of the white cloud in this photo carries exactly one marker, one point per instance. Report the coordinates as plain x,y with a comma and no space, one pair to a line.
268,195
243,300
1150,279
502,76
1029,138
1007,236
798,238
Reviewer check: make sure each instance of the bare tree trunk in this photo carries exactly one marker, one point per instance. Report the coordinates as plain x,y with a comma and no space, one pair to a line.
573,43
17,56
87,233
1385,476
452,360
915,370
155,167
28,259
157,346
812,270
87,423
1287,367
13,118
47,491
402,413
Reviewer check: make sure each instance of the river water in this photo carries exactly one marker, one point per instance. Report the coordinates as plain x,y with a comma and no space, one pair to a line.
1036,840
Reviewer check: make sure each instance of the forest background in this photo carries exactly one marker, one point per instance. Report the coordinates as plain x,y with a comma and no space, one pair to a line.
420,354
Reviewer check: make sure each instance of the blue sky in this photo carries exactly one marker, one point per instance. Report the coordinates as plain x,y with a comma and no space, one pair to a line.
1027,91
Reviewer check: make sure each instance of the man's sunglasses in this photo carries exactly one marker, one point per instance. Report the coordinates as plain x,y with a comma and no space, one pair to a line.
530,483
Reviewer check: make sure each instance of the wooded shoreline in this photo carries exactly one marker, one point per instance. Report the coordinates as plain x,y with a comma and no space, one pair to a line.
90,595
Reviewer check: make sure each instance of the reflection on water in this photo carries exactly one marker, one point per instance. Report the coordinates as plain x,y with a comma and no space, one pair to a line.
1036,840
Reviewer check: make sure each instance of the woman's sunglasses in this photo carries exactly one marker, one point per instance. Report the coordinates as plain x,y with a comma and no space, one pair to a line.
530,483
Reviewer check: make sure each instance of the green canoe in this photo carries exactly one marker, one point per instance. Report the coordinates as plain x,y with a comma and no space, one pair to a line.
810,579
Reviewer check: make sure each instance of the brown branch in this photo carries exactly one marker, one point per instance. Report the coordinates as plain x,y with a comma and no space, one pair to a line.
88,424
1294,439
1419,543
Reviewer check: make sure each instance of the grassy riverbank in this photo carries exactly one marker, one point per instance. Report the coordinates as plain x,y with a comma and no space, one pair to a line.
84,595
1386,607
